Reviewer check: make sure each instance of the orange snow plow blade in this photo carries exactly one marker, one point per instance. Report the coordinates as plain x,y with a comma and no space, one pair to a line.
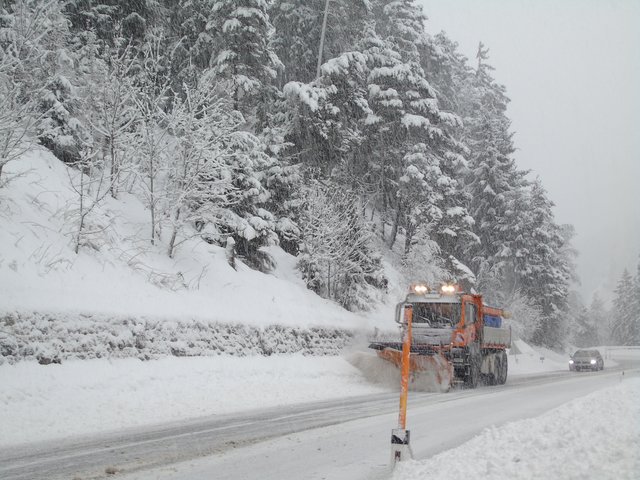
434,364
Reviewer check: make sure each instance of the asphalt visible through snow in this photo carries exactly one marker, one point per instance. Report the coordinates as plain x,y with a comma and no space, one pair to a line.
348,438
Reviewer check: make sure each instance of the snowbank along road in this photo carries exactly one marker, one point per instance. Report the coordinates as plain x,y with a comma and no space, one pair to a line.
331,439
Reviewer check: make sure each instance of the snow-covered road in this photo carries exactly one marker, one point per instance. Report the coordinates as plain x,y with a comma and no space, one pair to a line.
333,439
360,449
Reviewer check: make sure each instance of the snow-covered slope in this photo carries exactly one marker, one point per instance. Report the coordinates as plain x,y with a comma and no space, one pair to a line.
118,272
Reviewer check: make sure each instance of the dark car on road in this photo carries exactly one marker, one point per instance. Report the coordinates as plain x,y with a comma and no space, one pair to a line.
586,360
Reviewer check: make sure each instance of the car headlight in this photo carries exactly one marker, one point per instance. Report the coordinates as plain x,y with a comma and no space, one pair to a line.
570,362
593,362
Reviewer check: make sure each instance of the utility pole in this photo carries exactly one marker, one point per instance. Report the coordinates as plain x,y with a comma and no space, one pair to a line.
322,34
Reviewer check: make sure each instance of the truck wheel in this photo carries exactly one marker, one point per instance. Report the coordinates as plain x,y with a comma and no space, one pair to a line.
494,376
471,379
504,367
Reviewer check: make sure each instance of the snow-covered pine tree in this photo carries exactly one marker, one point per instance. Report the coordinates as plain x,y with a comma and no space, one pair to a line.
511,264
400,100
17,107
447,71
454,232
281,175
298,25
193,46
250,168
431,197
283,183
242,54
494,180
136,18
297,37
36,36
599,321
97,17
232,38
582,331
114,20
60,126
550,273
423,187
325,117
624,319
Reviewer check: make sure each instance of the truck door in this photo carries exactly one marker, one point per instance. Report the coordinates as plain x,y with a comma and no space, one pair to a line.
470,316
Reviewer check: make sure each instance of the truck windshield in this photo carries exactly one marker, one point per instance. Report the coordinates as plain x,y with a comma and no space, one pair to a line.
436,315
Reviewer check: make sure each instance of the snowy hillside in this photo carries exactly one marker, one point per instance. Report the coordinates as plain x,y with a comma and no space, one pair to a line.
118,273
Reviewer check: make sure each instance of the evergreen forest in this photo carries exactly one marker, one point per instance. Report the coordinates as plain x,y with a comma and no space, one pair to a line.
246,123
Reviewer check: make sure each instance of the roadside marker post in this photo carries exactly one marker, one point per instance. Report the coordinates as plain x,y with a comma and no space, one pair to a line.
400,447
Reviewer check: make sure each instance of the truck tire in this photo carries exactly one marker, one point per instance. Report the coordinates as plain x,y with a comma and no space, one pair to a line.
472,378
493,378
503,368
493,365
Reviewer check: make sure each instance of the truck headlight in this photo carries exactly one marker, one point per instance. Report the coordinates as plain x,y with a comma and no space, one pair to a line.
570,362
448,289
420,289
593,362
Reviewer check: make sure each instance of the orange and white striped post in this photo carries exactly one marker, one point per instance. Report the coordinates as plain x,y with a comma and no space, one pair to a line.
400,448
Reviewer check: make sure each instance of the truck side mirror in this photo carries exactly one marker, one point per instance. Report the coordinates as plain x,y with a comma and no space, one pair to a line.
399,313
402,310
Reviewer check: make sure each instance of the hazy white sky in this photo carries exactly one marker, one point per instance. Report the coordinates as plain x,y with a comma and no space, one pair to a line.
572,71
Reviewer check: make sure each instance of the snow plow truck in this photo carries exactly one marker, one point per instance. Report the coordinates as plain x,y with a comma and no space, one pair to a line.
453,335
